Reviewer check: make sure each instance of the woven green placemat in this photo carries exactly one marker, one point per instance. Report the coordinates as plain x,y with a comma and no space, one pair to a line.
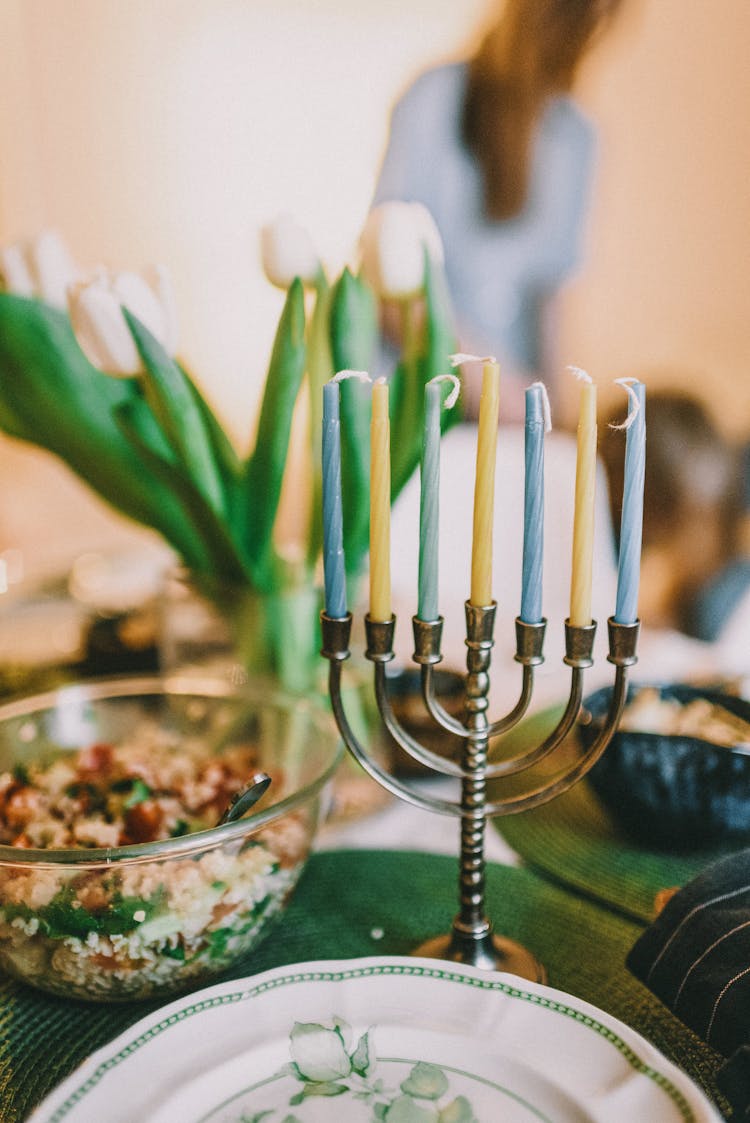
358,903
573,840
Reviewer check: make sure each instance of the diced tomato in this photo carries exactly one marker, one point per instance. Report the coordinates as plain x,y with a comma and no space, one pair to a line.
22,806
96,759
143,822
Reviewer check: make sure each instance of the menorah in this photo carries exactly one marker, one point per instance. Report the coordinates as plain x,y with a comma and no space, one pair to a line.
471,939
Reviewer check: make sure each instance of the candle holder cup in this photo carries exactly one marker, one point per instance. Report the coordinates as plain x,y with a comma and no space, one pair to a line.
471,939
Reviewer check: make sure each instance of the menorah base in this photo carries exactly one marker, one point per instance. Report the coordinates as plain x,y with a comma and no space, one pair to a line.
489,952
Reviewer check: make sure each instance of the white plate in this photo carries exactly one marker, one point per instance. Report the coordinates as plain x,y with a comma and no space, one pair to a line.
370,1040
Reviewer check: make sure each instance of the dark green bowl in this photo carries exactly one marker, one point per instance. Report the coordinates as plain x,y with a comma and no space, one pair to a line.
674,792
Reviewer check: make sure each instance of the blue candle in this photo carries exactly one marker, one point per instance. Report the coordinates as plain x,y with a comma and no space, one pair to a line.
333,525
533,507
427,601
631,524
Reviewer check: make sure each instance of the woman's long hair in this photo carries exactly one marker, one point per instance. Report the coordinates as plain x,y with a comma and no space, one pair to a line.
532,52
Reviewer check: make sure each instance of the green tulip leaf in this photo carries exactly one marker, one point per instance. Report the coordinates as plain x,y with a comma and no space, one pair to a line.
353,341
224,451
319,370
211,549
426,353
54,398
264,472
172,399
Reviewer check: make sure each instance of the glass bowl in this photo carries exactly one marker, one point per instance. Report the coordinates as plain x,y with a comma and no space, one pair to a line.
680,790
111,917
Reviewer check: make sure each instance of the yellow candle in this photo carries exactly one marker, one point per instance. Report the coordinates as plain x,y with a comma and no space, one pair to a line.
380,504
484,487
583,521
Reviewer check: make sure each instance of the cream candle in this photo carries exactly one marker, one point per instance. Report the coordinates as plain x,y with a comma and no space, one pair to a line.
380,504
484,487
583,519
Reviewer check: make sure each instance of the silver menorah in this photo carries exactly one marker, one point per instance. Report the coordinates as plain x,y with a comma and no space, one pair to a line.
471,939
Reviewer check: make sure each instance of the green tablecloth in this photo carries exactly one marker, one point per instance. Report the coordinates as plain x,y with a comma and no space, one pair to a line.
357,903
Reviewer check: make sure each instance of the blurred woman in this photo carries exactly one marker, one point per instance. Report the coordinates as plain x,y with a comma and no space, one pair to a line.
502,156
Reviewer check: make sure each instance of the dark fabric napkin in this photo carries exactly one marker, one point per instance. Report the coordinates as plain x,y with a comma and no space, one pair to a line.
695,957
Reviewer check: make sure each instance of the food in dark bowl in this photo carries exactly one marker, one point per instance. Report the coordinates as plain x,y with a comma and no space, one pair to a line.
115,880
677,772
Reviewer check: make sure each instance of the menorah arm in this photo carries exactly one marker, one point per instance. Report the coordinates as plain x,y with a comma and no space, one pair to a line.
396,787
434,709
404,739
579,645
530,654
451,725
547,790
503,724
622,652
512,765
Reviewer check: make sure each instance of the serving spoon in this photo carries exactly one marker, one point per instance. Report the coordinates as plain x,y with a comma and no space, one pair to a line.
243,800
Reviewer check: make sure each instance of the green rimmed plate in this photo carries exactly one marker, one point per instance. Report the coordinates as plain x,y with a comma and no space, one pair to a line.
397,1040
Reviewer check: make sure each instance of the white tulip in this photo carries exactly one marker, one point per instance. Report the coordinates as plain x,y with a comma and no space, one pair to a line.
393,245
101,329
14,272
52,267
41,267
287,251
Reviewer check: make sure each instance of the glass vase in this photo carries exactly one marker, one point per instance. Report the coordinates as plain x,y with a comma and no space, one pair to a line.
235,631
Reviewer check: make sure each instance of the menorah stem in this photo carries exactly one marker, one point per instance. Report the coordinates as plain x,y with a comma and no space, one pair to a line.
471,939
480,627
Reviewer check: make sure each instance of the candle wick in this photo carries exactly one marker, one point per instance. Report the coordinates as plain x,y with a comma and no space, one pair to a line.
341,375
634,404
580,374
546,408
380,381
460,357
452,398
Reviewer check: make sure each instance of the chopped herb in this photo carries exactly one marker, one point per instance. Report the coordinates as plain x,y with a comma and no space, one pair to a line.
65,915
218,941
140,792
218,885
123,785
21,774
180,828
174,953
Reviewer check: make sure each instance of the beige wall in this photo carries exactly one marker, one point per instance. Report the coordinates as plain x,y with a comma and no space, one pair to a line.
171,129
666,285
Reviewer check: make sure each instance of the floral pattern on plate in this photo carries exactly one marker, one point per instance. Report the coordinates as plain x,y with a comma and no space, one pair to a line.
379,1040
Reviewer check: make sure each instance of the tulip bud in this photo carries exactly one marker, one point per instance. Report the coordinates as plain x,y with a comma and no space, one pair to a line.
101,329
393,245
14,272
287,251
51,267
